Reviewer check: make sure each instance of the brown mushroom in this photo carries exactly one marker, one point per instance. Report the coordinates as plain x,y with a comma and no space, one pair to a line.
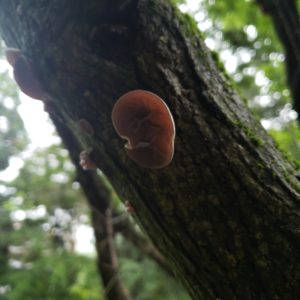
24,74
86,162
145,121
12,54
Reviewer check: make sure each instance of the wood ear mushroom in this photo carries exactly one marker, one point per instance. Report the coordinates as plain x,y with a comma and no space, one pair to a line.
12,54
24,74
86,162
145,121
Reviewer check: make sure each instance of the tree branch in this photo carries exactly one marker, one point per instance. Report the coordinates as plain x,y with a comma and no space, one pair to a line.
98,196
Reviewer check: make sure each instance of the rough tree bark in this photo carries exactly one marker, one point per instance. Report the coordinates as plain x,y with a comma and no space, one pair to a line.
225,213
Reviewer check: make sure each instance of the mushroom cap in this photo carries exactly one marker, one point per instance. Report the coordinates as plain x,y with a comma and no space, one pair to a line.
12,54
145,121
26,79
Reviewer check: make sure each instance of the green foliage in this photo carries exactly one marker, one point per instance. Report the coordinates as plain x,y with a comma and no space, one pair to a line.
5,237
13,137
47,172
42,263
288,140
56,276
177,2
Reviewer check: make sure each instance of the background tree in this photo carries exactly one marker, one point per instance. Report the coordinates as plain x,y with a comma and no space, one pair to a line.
226,236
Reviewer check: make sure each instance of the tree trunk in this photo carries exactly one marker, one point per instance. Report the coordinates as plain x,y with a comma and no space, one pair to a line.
225,212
